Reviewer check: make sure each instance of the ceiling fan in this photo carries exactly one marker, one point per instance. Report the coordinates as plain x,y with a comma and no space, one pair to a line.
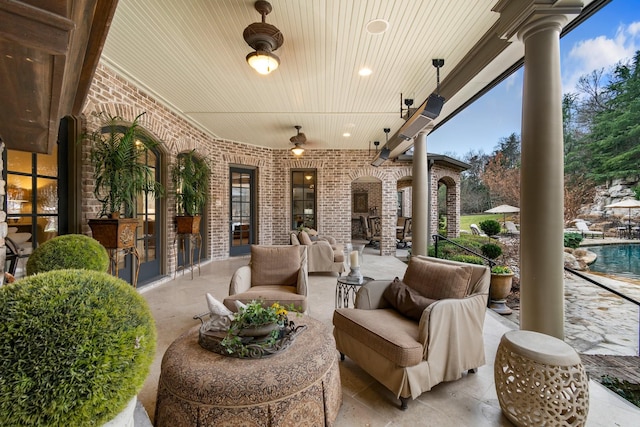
298,141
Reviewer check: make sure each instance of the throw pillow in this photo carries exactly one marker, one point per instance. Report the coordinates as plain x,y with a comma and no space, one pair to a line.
437,280
406,300
294,239
274,265
304,238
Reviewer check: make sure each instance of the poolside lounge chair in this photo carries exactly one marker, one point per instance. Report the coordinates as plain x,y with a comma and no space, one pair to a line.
584,229
511,228
476,230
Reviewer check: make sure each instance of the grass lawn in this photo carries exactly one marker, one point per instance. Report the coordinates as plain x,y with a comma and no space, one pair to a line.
467,220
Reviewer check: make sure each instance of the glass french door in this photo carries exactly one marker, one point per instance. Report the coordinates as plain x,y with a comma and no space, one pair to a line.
148,238
242,202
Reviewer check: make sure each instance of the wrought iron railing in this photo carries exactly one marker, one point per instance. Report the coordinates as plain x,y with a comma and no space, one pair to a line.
613,291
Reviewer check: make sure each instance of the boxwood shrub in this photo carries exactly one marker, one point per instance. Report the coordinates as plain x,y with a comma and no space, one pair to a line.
491,250
572,240
491,227
68,251
75,347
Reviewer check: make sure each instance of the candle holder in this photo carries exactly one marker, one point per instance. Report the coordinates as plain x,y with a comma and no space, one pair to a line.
353,260
354,275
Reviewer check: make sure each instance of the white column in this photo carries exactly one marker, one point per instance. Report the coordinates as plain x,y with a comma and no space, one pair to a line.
420,210
542,181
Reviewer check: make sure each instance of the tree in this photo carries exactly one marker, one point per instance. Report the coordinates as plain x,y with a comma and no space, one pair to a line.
474,195
615,138
502,172
578,191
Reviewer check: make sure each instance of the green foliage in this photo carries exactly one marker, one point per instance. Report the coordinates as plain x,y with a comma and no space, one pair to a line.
625,389
501,269
190,176
447,250
442,224
118,157
255,314
572,240
490,226
68,251
467,220
469,259
75,347
615,137
636,191
491,250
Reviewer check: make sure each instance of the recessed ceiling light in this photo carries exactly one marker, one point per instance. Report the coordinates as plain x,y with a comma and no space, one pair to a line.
365,72
346,134
377,26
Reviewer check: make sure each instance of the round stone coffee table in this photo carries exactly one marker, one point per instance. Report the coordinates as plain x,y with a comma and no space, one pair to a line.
297,387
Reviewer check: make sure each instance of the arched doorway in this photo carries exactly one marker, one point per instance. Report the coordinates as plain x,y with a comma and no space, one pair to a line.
366,208
447,212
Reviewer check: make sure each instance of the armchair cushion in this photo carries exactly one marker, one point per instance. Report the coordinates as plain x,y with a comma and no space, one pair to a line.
437,281
304,238
390,333
274,266
406,300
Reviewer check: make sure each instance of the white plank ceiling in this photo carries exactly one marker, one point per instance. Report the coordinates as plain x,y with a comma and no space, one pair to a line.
190,54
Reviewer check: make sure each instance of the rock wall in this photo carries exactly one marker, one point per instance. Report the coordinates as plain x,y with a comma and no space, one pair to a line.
612,192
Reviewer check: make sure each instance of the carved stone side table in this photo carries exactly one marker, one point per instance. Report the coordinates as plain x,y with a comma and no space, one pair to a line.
540,380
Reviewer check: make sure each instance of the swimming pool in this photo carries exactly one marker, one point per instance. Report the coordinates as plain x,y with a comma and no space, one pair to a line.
619,260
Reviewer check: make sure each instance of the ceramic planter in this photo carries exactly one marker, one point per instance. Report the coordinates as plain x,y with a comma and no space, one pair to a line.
499,290
117,233
188,224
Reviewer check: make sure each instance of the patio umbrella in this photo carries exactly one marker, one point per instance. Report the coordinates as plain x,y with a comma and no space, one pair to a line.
626,204
503,209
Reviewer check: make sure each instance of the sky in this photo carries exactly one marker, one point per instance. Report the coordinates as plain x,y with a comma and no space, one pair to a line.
606,38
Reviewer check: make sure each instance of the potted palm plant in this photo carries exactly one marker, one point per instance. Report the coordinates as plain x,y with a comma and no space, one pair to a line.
190,176
121,175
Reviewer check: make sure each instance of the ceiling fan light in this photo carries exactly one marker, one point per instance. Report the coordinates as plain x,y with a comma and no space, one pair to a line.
297,150
263,62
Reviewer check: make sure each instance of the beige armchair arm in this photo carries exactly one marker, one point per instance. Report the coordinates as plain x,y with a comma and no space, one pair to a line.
240,281
303,273
369,296
454,324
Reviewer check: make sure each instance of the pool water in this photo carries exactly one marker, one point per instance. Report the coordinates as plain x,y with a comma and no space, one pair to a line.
619,260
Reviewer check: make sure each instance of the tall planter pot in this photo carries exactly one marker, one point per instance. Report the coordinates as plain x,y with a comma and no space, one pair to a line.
188,224
117,233
499,290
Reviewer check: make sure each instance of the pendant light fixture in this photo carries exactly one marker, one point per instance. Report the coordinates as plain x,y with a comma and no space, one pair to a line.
298,139
264,38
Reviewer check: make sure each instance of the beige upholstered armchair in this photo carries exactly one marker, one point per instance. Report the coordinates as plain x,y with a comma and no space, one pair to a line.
324,254
275,273
415,333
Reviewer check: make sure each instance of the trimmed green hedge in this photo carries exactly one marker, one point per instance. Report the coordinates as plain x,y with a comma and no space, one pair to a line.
75,347
491,227
68,251
572,240
491,250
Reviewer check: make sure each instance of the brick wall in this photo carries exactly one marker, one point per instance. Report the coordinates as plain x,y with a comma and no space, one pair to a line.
112,94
